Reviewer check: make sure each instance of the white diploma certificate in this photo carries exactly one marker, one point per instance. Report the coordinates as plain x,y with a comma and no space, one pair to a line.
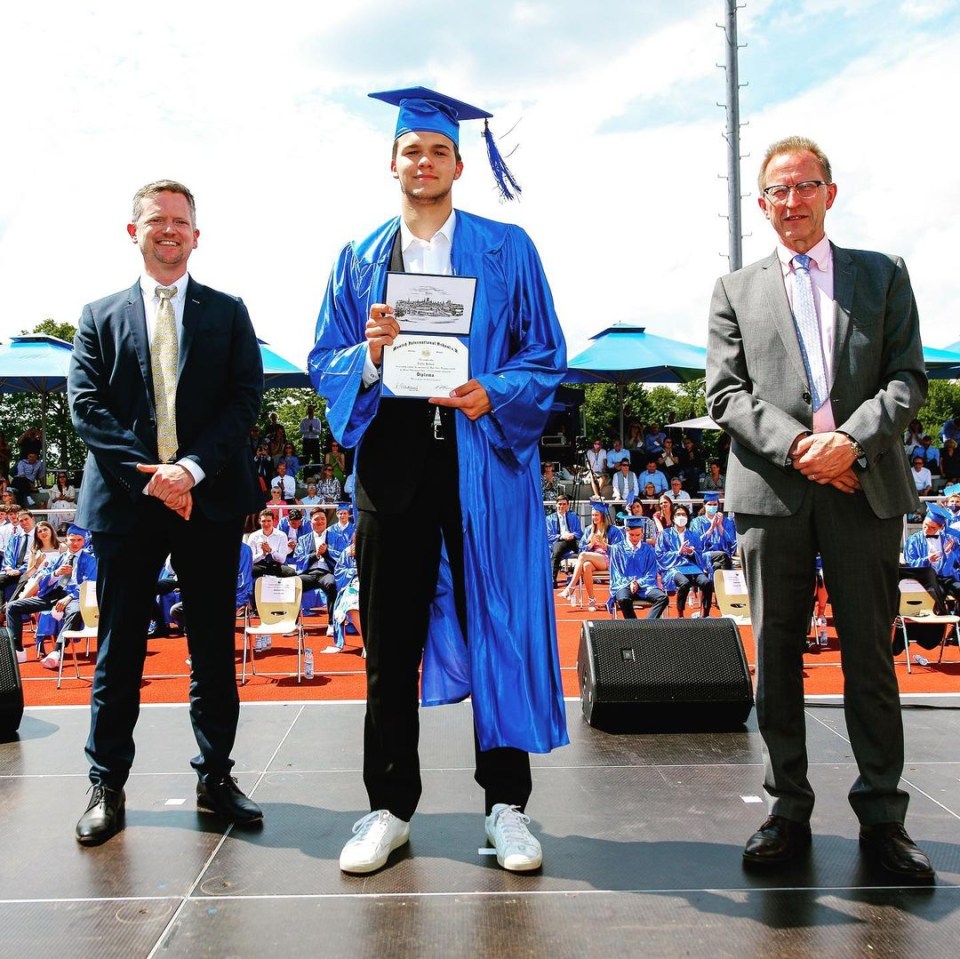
431,355
422,366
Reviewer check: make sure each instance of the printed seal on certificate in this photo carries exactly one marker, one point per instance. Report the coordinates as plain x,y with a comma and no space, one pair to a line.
420,366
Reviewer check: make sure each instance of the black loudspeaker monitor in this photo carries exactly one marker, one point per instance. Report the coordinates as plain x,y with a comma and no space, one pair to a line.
659,674
11,689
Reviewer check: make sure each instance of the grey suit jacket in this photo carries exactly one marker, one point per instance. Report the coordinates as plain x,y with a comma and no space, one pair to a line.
757,387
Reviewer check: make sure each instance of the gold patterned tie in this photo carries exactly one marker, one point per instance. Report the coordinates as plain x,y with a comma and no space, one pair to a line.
163,359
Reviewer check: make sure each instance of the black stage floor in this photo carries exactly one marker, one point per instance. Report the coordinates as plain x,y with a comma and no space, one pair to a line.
641,835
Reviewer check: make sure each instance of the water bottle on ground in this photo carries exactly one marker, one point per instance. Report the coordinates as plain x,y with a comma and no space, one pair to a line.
308,664
921,660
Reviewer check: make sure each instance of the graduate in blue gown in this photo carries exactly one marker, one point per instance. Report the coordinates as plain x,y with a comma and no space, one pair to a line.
486,633
633,573
340,534
936,545
718,533
682,563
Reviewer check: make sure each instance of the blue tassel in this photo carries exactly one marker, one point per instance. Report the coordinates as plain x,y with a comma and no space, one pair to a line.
506,184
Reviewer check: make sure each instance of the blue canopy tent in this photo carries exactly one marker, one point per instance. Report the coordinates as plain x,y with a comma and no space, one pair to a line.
280,373
626,353
942,364
38,363
35,363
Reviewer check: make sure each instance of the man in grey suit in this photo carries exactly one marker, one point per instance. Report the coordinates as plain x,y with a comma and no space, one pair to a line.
815,368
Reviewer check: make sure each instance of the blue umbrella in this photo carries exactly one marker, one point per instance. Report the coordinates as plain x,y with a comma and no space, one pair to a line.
942,364
279,372
35,363
626,353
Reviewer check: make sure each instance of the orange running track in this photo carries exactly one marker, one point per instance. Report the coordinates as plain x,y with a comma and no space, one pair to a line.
341,676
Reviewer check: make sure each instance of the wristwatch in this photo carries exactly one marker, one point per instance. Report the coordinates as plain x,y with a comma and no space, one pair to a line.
859,453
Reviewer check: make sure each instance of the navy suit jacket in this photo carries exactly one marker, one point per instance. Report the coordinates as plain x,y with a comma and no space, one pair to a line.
573,525
219,391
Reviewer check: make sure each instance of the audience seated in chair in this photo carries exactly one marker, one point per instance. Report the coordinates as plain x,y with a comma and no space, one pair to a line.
663,514
624,481
681,561
633,573
315,564
563,534
346,609
329,488
718,533
58,591
935,545
17,555
595,545
269,547
652,475
293,527
340,534
676,492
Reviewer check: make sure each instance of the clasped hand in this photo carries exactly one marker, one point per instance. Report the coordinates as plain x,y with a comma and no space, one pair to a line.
827,459
171,484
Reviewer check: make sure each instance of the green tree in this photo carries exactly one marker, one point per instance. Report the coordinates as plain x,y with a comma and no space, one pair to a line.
20,411
943,402
641,405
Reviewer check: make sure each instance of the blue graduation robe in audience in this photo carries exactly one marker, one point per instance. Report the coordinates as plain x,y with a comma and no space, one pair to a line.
916,553
628,564
338,540
715,540
670,560
509,665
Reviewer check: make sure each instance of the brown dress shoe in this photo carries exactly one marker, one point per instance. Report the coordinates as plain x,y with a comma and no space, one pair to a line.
103,817
777,840
888,845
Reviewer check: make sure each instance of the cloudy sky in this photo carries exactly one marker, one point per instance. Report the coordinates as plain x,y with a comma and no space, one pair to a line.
611,111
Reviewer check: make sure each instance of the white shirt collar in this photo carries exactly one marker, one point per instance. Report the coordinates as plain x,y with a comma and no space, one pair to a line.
148,287
407,239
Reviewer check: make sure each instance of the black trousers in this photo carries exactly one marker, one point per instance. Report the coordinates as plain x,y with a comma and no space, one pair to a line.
205,555
322,579
398,560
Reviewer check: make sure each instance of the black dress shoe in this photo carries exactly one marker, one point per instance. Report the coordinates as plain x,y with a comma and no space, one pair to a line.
222,796
888,845
103,817
777,840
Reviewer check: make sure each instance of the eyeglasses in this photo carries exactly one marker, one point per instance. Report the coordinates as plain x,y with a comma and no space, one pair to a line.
805,189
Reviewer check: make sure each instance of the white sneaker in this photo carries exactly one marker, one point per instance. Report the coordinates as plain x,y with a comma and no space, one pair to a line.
374,838
51,661
821,621
21,655
592,605
517,849
565,592
331,649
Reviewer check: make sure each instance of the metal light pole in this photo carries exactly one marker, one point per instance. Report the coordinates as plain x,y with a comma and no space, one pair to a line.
732,136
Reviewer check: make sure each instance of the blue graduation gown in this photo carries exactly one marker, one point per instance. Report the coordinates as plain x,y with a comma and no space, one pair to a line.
628,564
509,665
671,562
916,553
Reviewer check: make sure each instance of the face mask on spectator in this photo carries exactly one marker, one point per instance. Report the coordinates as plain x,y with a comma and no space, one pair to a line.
680,521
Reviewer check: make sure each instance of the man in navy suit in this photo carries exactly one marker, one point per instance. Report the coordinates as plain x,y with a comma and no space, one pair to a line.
563,534
194,394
